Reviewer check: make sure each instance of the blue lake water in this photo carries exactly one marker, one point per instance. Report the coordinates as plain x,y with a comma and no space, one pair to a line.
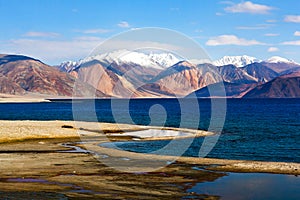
255,129
247,186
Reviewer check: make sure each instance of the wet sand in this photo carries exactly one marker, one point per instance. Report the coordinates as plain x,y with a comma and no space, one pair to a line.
38,160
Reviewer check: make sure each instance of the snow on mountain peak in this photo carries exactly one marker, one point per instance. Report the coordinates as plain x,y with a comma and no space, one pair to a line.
277,59
164,60
154,60
238,61
68,66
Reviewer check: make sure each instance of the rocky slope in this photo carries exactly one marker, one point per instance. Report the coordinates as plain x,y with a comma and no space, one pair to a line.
134,74
238,61
223,89
287,86
184,77
21,74
148,75
260,72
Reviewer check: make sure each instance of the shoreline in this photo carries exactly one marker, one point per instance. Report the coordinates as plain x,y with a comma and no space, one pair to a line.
38,98
90,138
33,98
60,161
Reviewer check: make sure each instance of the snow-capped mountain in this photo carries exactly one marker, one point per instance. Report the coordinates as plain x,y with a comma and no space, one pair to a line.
164,59
153,60
68,66
238,61
277,59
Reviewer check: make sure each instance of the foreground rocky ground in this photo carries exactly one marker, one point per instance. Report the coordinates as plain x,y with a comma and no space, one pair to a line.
54,160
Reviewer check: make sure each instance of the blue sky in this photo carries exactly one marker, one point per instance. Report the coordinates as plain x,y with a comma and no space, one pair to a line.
59,30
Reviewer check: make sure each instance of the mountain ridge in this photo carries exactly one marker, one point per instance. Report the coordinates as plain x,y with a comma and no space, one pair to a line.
165,60
21,75
286,86
182,77
115,78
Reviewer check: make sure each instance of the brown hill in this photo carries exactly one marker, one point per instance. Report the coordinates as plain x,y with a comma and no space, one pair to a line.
287,86
27,75
233,74
260,72
223,89
281,67
184,77
118,80
9,87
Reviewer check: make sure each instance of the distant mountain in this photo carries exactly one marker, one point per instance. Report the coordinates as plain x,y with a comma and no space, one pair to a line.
125,57
223,89
67,66
286,86
277,59
242,61
125,74
114,80
260,72
135,74
21,75
238,61
281,68
233,74
184,77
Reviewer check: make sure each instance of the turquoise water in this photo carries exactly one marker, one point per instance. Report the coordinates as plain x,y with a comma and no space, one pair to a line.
255,129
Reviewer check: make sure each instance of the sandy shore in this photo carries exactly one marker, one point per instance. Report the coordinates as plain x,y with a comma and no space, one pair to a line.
7,98
92,134
41,153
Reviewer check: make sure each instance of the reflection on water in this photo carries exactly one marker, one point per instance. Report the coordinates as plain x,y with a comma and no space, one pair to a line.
252,186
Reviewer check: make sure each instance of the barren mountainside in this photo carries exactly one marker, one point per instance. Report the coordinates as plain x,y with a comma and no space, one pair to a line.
287,86
21,74
133,75
224,89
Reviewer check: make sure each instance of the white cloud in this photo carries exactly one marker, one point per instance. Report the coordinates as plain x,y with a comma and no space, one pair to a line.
249,7
95,31
52,51
124,24
297,33
130,44
231,40
272,34
56,51
200,61
292,18
294,43
41,34
273,49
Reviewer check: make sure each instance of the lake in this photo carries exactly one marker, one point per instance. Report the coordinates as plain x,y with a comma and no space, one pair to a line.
254,129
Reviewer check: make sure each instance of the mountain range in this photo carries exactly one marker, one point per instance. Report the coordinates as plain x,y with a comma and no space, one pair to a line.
22,75
125,74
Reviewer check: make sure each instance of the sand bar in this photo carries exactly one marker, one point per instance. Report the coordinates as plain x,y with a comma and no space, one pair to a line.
38,160
8,98
92,134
